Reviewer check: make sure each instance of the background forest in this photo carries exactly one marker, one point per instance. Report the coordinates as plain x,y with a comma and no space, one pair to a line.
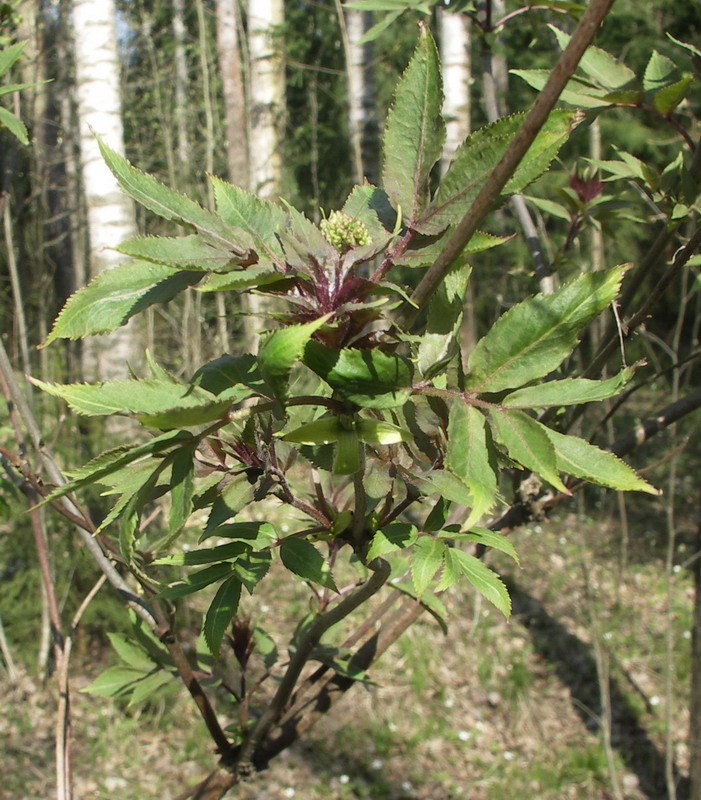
592,689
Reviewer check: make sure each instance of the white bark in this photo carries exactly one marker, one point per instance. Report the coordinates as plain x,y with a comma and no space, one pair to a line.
110,213
267,95
181,82
361,96
229,54
456,65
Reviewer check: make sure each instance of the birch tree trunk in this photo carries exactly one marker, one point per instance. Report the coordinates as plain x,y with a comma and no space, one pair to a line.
110,214
267,96
362,112
181,82
456,65
229,54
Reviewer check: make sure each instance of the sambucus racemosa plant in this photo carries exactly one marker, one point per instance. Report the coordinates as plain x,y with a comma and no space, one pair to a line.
395,445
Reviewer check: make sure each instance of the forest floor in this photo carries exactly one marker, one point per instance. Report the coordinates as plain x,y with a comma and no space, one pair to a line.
494,711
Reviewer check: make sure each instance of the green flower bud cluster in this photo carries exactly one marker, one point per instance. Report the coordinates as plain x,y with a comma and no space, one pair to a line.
344,232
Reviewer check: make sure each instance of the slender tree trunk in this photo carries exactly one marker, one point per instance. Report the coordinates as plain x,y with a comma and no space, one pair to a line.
181,82
266,92
110,214
229,53
362,111
267,95
456,66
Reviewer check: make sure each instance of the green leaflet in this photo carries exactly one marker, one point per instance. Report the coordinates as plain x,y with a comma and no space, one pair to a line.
198,580
230,377
371,206
235,495
425,250
482,536
254,276
208,555
534,337
221,611
113,460
369,378
10,55
114,681
182,488
131,654
414,131
181,252
440,343
257,535
302,558
527,444
468,457
659,72
598,65
172,205
480,153
115,295
261,219
148,685
427,557
577,92
481,577
567,392
281,350
148,398
577,457
392,537
667,99
15,125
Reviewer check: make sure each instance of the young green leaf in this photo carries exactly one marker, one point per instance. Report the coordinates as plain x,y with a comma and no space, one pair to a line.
281,350
172,205
427,559
480,153
110,299
371,206
392,537
252,567
577,457
148,685
221,611
209,555
10,55
467,456
132,654
527,444
257,535
659,72
567,392
181,252
14,124
487,582
196,581
425,250
439,344
369,378
534,337
485,537
414,131
261,219
147,397
302,558
236,493
667,99
114,681
598,65
109,462
577,92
